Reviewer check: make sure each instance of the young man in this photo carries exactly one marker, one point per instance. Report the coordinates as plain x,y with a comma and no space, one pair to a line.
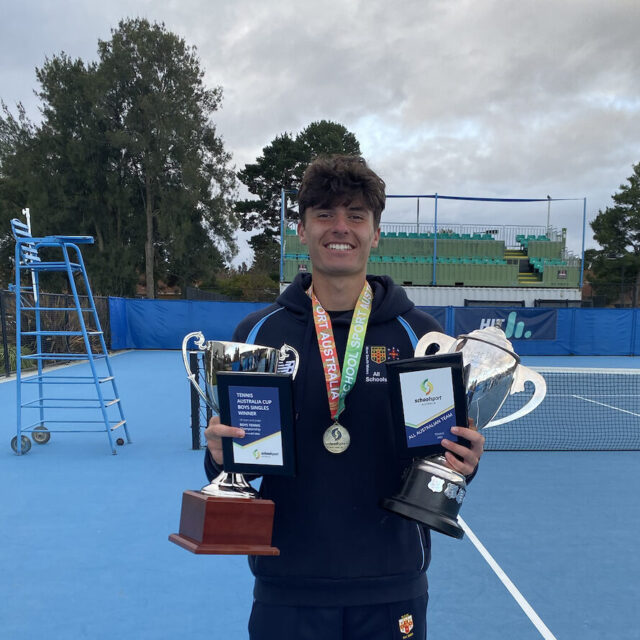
347,569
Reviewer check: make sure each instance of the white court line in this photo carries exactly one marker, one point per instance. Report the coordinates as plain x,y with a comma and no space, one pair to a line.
604,404
511,588
12,377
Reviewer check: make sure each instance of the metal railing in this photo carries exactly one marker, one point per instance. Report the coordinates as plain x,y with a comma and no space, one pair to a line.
505,233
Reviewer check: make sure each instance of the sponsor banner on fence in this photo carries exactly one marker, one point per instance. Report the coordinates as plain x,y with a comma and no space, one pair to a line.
523,324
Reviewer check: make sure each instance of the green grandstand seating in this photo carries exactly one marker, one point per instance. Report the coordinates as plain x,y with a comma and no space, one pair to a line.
474,259
561,276
292,267
545,249
422,244
470,270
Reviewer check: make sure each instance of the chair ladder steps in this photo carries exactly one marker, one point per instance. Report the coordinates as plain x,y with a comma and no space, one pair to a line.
61,333
64,394
63,356
65,380
55,308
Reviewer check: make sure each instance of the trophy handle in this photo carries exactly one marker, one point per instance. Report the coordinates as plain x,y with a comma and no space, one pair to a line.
200,342
443,341
524,374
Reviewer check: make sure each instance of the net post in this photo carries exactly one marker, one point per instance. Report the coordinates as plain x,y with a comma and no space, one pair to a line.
195,403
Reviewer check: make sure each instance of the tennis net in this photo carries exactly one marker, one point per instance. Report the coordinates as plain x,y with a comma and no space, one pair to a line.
584,410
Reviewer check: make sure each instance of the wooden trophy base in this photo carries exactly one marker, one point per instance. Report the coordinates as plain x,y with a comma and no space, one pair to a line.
214,525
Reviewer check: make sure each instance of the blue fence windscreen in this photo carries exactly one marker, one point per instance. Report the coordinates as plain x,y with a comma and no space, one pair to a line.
162,324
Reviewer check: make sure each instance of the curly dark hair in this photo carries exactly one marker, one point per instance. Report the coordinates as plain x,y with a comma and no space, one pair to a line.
329,180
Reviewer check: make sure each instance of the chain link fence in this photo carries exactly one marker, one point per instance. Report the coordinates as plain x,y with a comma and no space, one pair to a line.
58,314
621,294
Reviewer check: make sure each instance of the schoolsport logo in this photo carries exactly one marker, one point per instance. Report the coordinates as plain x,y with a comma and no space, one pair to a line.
512,329
256,454
426,386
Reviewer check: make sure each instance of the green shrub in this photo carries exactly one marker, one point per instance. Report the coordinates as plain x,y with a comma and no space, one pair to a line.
12,358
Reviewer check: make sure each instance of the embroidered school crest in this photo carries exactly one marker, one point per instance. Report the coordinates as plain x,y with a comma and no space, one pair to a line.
406,623
374,363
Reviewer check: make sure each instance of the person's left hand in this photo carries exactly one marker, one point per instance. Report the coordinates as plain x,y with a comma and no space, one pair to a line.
470,455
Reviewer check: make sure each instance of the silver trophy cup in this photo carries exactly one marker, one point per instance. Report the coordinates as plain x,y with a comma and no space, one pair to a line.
234,356
432,492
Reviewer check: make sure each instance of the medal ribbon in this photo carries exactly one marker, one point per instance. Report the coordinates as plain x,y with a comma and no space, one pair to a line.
339,383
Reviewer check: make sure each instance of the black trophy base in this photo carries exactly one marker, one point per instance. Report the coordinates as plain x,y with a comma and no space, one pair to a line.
431,494
435,521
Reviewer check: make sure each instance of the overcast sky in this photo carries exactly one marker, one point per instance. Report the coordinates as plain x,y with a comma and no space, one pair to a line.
489,98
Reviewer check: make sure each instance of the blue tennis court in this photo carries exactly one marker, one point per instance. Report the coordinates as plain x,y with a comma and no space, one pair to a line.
550,552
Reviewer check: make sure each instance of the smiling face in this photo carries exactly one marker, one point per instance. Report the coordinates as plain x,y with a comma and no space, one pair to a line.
339,237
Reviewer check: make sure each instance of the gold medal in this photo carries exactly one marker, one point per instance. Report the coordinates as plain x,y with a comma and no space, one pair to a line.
336,438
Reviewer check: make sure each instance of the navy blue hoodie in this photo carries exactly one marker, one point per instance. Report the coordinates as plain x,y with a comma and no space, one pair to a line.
338,546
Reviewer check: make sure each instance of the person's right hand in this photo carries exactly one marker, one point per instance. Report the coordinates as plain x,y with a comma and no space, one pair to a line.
214,433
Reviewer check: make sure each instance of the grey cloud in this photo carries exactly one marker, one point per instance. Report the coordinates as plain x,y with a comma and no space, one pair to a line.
480,98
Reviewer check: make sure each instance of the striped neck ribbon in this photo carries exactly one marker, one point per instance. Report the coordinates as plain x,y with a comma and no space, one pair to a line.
339,382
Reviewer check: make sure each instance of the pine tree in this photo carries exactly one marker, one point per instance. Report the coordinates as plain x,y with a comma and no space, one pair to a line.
617,231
